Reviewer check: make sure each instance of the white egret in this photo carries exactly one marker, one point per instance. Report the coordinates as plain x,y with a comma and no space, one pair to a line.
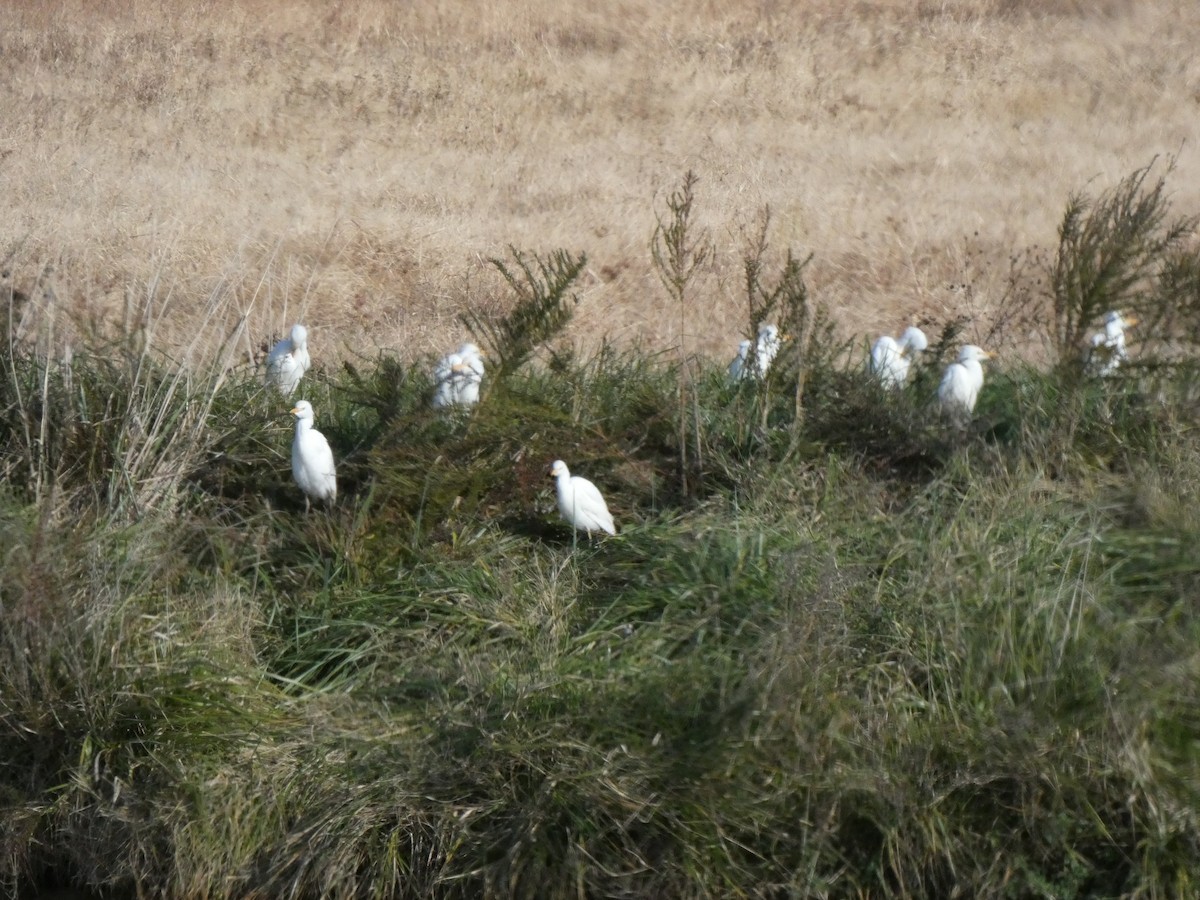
472,376
737,368
580,501
891,359
769,342
962,381
312,460
446,374
765,350
288,361
457,377
1107,352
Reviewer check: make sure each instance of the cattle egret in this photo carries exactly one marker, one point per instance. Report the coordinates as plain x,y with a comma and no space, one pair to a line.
891,359
1107,352
737,368
312,460
457,377
769,342
765,349
288,361
962,380
580,501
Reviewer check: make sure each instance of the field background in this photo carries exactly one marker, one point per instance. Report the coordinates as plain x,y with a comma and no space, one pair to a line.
840,647
355,164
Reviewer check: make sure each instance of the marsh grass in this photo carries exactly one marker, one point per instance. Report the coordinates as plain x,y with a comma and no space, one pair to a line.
864,655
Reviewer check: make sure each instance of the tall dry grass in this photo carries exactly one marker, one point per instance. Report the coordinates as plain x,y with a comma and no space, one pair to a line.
355,165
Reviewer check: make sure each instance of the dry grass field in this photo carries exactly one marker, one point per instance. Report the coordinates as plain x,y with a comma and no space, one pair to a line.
355,164
845,643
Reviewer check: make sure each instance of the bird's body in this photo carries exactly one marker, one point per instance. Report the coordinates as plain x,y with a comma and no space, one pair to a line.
446,375
457,377
891,359
1107,351
580,501
962,382
737,368
312,459
288,361
765,349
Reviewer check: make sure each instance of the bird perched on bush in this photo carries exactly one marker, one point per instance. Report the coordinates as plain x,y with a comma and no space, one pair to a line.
580,501
1107,352
457,377
288,361
962,381
312,459
891,359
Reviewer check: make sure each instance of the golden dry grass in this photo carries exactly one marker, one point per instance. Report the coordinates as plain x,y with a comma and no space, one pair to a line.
355,164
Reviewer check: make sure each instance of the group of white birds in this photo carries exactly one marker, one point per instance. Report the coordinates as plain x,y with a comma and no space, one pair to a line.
459,375
457,379
958,391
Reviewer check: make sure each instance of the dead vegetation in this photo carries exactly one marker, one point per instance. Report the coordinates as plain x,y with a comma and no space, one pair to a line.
358,165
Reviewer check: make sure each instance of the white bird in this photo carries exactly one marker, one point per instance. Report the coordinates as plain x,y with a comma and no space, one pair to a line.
737,368
312,460
962,381
1108,347
769,342
765,350
288,361
472,377
891,359
580,501
457,377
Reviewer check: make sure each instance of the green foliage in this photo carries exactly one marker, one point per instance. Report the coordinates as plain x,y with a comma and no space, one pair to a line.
543,308
1120,251
851,653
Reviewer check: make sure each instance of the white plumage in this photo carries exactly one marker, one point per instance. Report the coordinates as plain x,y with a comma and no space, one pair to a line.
769,342
1107,352
580,501
891,359
288,361
737,368
312,460
962,381
457,377
766,348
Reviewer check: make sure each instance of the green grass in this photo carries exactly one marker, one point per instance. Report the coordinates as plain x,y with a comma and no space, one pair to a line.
851,654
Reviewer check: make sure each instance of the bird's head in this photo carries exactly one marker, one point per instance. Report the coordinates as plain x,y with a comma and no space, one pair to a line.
971,352
1116,322
557,468
913,340
302,410
299,335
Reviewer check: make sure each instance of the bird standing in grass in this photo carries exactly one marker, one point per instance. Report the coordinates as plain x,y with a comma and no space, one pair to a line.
737,368
472,377
962,381
891,359
312,459
580,501
766,348
1107,352
457,377
288,361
